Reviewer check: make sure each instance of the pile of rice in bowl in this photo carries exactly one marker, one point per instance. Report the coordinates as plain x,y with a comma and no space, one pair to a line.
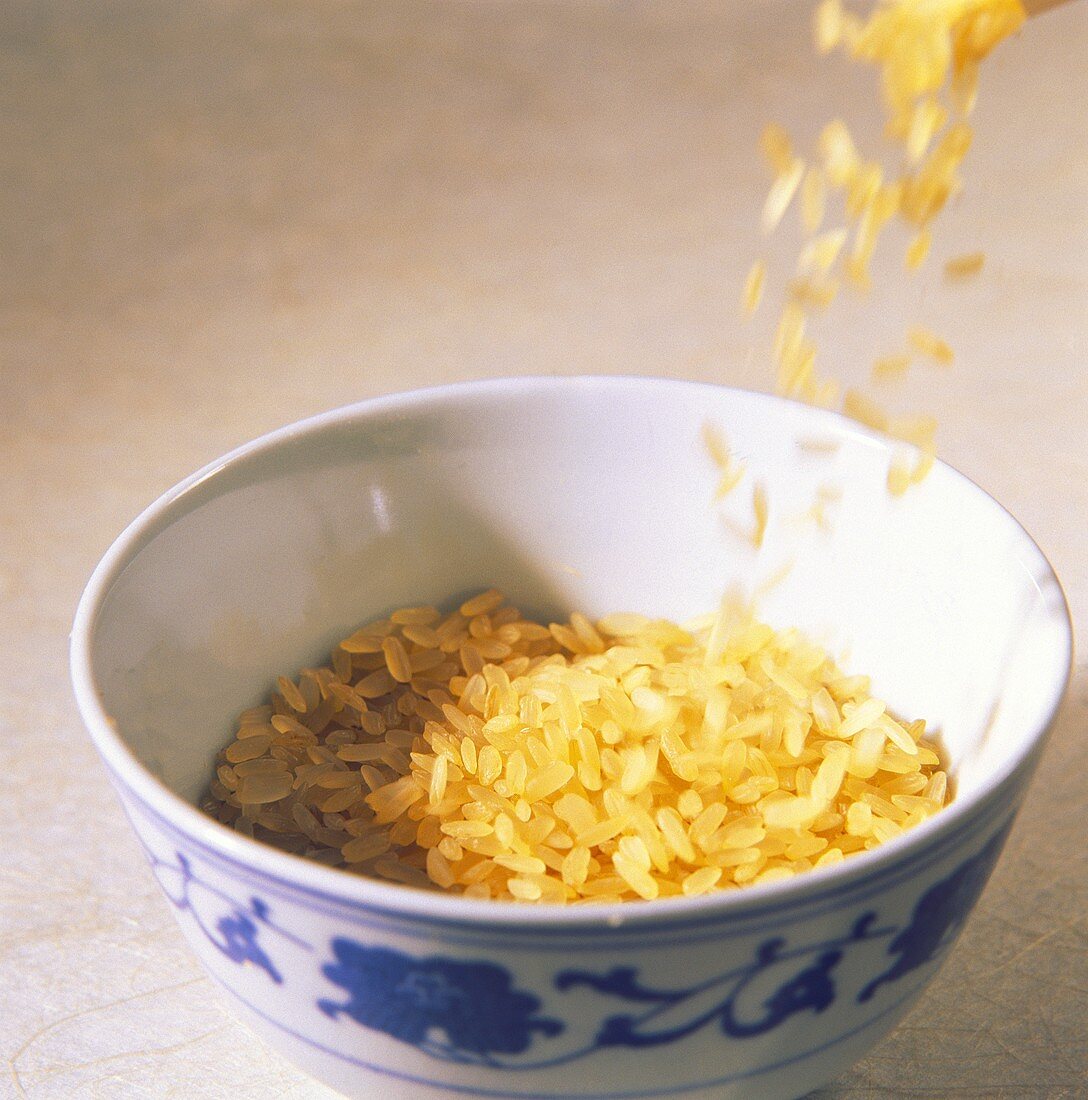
497,757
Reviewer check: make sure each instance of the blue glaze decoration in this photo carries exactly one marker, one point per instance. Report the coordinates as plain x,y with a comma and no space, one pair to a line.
805,983
474,1005
240,944
939,915
476,1090
471,1011
235,932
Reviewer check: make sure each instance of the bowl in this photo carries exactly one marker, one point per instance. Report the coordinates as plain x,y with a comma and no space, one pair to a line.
573,493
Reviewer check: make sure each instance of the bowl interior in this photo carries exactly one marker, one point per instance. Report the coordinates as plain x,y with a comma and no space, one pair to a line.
591,494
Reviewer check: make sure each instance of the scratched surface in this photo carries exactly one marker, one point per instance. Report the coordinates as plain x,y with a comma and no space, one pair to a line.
220,218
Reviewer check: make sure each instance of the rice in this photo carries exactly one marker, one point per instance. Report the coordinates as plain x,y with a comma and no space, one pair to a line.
918,249
781,195
753,286
759,510
624,759
929,344
890,367
928,53
965,266
730,470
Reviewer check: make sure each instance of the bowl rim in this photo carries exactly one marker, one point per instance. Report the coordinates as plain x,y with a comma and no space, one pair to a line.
394,900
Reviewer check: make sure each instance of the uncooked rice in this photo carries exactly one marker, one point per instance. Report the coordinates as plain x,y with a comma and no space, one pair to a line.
495,757
928,53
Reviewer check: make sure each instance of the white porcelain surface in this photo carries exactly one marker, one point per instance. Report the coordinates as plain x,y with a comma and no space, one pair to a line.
585,493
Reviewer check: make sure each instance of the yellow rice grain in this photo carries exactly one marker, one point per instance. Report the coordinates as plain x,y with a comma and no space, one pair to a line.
439,779
777,148
813,293
929,344
396,659
864,410
828,25
813,199
821,252
481,604
362,641
415,616
918,249
753,287
291,695
730,471
781,195
759,511
249,749
899,476
576,865
838,153
365,847
522,889
637,878
919,430
963,267
890,367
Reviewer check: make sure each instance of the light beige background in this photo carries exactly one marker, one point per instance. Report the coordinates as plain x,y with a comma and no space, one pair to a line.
221,218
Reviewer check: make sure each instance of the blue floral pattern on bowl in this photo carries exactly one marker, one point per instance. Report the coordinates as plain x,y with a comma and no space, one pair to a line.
235,932
473,1012
474,1004
939,914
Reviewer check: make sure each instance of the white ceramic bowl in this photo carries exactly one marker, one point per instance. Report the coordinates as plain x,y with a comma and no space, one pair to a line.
589,493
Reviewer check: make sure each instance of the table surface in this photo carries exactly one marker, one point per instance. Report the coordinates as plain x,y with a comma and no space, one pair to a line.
220,217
